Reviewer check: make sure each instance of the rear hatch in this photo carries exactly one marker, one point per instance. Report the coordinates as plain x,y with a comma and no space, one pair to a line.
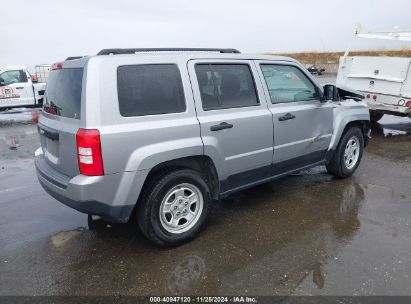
61,118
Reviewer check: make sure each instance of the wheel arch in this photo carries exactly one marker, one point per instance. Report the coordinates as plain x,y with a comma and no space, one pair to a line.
199,163
361,122
363,125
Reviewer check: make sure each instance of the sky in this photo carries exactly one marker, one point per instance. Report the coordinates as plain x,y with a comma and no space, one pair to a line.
47,31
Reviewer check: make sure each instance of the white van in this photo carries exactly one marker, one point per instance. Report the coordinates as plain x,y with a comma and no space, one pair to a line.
385,81
17,88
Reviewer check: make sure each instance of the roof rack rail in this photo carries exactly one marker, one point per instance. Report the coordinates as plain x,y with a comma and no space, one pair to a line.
133,51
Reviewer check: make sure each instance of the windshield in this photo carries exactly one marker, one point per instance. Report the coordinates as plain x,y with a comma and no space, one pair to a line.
63,93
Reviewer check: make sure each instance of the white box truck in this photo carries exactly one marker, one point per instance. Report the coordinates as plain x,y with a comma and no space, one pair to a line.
384,81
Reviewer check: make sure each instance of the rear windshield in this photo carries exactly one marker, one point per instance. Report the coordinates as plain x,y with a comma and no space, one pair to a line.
150,89
63,93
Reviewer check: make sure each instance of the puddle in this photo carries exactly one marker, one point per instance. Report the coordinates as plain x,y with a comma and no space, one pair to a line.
393,126
391,132
19,116
186,274
18,140
61,238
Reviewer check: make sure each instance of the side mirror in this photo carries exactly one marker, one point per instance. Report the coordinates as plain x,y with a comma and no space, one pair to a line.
2,82
331,92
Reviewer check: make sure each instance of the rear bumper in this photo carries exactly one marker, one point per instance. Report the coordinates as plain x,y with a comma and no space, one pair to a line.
112,197
389,108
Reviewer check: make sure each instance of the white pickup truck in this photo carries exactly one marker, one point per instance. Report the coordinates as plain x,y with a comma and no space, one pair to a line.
18,89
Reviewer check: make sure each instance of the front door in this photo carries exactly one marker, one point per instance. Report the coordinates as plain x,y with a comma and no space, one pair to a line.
16,90
303,125
236,125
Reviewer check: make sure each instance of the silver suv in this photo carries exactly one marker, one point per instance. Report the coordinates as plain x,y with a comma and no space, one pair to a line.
159,134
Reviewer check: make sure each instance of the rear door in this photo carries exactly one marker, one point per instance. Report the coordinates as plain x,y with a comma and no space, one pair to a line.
17,90
61,119
303,125
236,125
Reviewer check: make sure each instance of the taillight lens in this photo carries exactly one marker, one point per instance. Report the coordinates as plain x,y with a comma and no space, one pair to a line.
57,66
408,104
90,159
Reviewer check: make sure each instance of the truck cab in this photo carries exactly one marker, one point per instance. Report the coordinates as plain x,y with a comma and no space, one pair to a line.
17,88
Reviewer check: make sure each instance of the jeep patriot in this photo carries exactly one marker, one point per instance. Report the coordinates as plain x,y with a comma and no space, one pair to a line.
157,135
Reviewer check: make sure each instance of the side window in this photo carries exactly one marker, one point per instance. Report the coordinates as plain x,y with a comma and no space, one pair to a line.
225,86
11,77
287,83
150,89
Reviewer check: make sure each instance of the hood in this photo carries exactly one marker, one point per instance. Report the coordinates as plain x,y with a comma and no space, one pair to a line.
349,93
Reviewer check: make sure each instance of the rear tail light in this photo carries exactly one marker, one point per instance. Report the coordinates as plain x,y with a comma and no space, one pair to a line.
408,104
57,66
90,159
374,97
33,78
368,96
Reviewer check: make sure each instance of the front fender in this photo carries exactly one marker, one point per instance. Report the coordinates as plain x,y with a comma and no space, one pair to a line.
348,112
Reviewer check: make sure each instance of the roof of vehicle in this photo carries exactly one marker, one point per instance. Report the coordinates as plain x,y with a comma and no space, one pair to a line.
176,56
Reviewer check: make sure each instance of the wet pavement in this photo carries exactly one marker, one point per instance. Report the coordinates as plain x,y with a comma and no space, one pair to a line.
307,234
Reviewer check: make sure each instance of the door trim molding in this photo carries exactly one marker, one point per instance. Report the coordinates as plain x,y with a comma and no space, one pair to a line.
251,178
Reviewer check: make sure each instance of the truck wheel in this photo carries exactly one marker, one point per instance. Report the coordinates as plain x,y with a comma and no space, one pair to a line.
174,208
348,155
375,116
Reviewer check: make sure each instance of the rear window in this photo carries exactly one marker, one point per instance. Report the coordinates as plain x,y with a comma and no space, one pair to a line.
63,93
150,89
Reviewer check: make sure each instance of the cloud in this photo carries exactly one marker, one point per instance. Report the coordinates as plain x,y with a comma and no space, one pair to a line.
45,31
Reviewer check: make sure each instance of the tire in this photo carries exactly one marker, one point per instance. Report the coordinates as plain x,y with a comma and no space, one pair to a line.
375,116
340,166
174,207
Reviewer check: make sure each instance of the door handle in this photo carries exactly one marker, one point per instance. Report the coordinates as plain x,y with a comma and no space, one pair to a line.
286,117
221,126
19,88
